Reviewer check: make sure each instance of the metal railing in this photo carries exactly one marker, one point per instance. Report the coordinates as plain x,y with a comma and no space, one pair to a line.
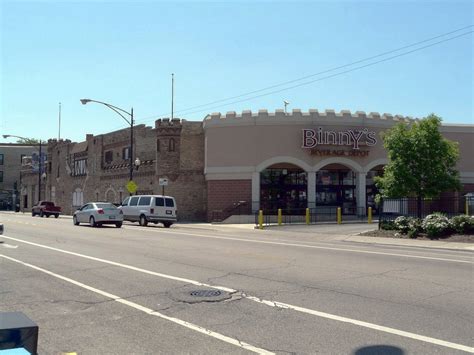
319,214
391,208
237,208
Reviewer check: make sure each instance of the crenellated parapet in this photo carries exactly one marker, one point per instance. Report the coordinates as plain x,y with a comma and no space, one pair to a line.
298,116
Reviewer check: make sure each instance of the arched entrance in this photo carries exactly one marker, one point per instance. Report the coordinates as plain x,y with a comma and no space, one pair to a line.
284,186
336,187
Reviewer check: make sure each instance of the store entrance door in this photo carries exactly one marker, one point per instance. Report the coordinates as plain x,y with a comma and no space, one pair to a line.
336,187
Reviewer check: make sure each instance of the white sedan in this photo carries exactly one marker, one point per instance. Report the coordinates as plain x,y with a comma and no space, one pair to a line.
97,214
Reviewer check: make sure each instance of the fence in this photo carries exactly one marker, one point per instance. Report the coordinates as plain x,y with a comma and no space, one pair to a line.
309,215
391,208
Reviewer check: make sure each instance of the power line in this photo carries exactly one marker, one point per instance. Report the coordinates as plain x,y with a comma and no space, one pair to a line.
319,73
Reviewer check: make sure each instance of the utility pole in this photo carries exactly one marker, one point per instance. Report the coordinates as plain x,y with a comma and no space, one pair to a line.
172,95
59,132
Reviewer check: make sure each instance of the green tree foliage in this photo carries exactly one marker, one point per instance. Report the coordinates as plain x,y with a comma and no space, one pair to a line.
32,141
422,162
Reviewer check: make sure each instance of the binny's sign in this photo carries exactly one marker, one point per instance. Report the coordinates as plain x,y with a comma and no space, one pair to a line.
312,138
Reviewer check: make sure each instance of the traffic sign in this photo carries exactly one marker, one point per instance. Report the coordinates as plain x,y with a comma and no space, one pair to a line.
163,181
131,187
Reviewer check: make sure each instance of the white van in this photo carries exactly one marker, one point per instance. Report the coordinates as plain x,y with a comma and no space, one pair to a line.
150,208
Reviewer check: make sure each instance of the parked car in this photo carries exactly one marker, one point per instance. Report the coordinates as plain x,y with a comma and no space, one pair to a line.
150,208
46,208
97,214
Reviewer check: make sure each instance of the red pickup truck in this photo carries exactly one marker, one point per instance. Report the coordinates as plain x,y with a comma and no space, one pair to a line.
46,208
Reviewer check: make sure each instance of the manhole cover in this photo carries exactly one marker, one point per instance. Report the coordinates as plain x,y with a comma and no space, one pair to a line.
205,293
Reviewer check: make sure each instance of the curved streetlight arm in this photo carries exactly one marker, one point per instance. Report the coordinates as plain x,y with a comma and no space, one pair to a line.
13,136
112,107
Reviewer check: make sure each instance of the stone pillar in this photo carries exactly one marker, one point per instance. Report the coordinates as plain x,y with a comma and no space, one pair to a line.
255,191
311,189
361,191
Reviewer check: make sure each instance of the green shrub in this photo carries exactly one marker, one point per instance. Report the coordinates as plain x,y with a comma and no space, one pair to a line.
387,225
462,224
436,225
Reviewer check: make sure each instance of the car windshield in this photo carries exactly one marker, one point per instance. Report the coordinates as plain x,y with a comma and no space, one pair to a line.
106,205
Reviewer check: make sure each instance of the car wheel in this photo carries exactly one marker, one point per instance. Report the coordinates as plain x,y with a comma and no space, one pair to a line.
167,224
118,224
56,216
92,222
74,220
143,222
41,214
47,215
33,214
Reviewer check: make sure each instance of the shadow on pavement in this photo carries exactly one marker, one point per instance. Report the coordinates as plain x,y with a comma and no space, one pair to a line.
379,350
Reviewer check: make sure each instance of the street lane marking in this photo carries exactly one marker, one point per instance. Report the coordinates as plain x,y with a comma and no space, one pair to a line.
273,303
147,310
180,279
364,324
315,247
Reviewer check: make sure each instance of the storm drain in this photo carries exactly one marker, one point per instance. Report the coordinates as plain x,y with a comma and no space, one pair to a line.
205,293
190,295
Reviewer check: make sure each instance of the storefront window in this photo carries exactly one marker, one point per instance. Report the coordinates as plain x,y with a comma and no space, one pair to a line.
336,188
284,188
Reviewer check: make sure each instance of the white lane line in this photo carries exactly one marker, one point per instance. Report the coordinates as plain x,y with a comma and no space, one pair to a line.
273,303
381,328
147,310
180,279
315,247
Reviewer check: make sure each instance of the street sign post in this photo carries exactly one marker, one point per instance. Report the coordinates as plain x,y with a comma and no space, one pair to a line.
163,182
131,187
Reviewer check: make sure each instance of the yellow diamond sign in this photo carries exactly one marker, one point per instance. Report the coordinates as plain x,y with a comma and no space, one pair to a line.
132,187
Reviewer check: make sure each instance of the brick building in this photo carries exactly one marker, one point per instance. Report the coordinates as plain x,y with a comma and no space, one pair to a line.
11,156
97,169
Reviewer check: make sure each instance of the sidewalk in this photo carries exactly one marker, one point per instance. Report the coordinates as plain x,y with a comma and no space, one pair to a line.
436,244
350,232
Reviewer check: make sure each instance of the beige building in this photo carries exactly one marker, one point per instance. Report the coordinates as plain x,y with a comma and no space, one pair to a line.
11,156
305,159
250,161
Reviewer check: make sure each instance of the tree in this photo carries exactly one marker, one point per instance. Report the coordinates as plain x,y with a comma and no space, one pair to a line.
422,163
31,141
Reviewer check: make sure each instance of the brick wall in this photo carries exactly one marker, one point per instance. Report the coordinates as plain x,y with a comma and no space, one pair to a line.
222,194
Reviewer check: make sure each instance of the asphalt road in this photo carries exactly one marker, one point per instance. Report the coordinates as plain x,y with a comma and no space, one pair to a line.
128,291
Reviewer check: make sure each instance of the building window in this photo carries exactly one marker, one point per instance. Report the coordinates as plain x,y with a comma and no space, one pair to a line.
1,159
77,197
126,153
109,157
53,194
1,176
172,145
80,167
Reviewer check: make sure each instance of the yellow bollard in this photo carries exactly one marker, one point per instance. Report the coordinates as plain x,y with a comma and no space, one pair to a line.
467,208
307,216
369,218
279,217
260,219
339,215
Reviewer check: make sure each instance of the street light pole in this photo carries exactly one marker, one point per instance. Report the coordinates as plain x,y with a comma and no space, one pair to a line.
131,145
131,122
39,172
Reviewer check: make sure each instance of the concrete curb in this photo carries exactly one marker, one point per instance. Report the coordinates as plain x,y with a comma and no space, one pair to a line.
409,242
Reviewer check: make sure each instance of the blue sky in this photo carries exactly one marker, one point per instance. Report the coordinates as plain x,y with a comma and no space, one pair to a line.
124,53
